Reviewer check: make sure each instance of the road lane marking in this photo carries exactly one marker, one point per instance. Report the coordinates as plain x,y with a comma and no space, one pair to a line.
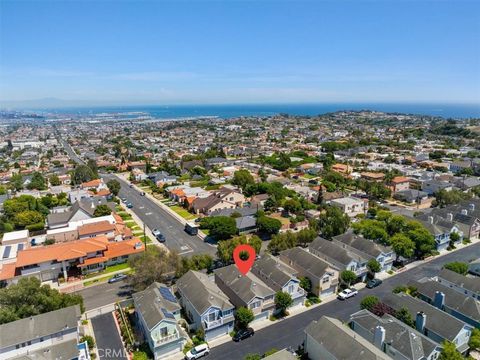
148,213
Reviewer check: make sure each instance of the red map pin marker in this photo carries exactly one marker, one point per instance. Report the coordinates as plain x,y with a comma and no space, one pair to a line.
244,265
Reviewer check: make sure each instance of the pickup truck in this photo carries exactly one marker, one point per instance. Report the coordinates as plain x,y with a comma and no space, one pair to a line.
347,293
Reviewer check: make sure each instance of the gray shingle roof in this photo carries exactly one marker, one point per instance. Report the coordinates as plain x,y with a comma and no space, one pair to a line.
336,252
61,351
34,327
436,319
342,342
359,243
468,283
246,287
461,303
401,337
307,261
270,271
153,306
202,292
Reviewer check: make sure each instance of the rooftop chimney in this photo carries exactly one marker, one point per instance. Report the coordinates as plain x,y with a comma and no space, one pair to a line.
450,217
472,207
420,321
464,211
430,219
379,337
439,300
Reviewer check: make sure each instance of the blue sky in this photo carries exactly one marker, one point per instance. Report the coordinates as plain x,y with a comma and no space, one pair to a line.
172,52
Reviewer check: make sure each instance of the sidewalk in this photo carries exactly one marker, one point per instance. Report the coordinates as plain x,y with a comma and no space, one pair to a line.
78,285
180,219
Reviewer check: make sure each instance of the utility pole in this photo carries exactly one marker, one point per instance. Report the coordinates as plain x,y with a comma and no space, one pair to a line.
144,236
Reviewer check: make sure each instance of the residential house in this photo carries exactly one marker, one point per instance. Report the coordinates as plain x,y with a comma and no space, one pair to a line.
441,229
224,198
411,196
433,186
323,276
351,206
246,290
330,339
283,354
395,338
366,248
372,176
207,307
460,165
279,277
465,216
73,258
466,285
463,307
339,257
399,183
51,335
467,183
157,312
80,210
431,321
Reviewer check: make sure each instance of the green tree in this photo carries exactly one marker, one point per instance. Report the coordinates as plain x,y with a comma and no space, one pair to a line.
253,357
283,301
243,317
195,262
242,178
225,247
450,352
268,225
81,174
221,227
347,277
16,182
26,218
29,298
474,342
152,265
92,164
114,186
457,266
102,210
292,206
444,197
333,222
37,181
423,239
54,180
369,302
404,315
373,266
306,284
89,339
283,241
402,245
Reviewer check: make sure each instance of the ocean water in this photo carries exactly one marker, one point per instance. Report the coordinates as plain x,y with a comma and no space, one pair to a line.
458,111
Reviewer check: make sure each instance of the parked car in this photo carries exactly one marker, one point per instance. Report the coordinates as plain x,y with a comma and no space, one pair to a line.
197,352
117,277
130,186
129,205
124,199
373,283
156,232
142,193
243,334
347,293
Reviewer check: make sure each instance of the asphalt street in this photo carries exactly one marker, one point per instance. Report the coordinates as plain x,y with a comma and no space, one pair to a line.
155,217
289,332
104,294
109,343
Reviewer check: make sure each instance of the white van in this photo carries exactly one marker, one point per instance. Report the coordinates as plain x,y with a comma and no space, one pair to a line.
197,352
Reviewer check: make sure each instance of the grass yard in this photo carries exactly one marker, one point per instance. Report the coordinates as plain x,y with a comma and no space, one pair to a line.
183,212
108,270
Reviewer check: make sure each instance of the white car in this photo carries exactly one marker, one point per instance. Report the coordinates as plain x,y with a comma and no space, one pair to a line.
347,293
197,352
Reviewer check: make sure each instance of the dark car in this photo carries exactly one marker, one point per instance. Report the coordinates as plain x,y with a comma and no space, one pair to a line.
117,277
243,334
373,283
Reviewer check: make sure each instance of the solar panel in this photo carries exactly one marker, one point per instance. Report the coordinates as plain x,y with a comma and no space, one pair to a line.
6,253
167,314
167,294
20,247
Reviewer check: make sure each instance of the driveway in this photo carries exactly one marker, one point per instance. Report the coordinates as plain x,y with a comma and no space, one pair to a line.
109,343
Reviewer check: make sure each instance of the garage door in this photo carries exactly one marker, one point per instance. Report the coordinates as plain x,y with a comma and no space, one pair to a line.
327,292
262,316
221,330
49,275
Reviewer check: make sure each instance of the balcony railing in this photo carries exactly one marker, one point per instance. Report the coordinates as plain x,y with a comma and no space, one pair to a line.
212,324
167,338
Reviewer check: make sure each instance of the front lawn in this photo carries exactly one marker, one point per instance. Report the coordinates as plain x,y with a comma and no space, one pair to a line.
183,212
